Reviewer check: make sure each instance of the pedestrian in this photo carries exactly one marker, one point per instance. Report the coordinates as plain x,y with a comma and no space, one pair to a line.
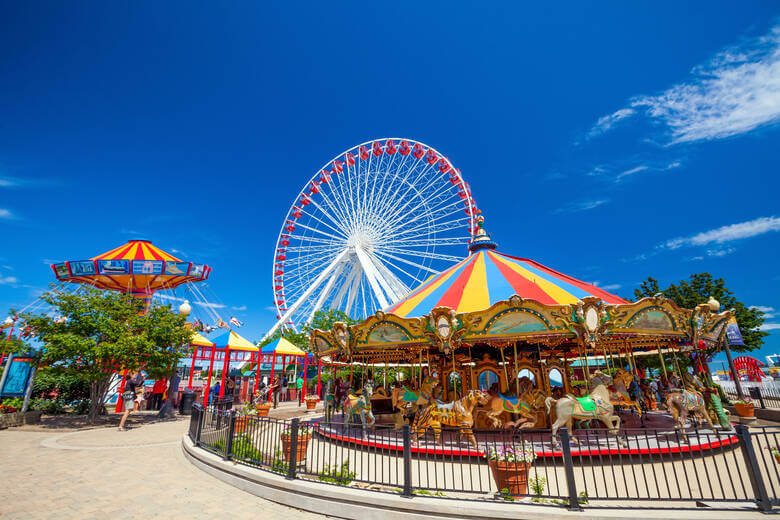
214,393
132,380
157,393
275,387
299,385
284,387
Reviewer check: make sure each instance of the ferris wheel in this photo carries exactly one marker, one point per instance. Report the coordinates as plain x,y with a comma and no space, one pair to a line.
374,221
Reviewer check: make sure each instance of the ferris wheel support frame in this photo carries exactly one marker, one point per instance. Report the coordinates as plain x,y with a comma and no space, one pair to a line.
306,294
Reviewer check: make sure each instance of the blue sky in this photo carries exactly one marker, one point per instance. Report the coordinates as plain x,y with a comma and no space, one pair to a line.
611,143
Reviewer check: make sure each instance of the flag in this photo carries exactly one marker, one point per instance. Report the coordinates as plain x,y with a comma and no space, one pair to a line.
733,334
235,321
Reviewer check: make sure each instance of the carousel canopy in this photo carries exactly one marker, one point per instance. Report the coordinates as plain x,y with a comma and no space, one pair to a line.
282,347
135,267
486,277
233,341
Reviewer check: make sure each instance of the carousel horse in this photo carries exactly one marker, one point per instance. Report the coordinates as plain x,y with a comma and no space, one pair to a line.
330,401
526,406
458,413
403,396
360,406
681,403
595,405
622,380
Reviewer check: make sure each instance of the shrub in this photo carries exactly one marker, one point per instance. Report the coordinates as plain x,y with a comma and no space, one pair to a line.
341,476
48,406
244,449
67,387
279,464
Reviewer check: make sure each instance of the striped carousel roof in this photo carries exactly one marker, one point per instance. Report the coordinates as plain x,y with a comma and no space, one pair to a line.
486,277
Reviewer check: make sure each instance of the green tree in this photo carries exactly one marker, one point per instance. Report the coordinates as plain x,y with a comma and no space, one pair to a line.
323,320
98,333
698,289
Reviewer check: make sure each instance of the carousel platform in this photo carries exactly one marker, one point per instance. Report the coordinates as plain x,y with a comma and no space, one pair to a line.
657,437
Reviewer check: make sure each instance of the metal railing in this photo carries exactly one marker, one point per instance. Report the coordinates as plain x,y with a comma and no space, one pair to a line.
765,395
656,468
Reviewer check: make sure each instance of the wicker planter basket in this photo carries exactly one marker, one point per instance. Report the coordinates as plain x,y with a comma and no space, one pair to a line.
311,404
262,409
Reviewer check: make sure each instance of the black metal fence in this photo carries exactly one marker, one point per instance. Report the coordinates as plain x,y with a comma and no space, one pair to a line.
656,468
764,395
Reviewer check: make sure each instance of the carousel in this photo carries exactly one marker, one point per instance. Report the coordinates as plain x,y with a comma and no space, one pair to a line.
497,342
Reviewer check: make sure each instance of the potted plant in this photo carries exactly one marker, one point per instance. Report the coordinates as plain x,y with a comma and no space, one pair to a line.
745,407
242,419
510,465
311,401
262,405
775,453
304,434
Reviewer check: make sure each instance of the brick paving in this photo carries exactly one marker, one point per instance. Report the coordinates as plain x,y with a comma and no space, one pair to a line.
100,473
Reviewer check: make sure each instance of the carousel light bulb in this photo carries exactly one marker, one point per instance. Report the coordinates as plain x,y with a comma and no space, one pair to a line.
714,304
185,309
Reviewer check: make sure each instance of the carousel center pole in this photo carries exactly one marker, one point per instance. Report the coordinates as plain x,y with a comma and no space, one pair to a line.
503,363
517,379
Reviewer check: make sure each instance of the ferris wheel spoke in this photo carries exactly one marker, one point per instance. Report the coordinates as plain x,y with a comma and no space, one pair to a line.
384,259
423,200
421,254
393,201
410,262
315,230
399,288
322,210
410,230
313,216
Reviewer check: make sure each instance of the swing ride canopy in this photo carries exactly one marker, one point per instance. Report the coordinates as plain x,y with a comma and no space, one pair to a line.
282,347
496,300
231,340
137,267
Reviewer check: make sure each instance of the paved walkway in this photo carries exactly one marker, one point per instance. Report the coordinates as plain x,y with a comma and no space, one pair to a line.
102,473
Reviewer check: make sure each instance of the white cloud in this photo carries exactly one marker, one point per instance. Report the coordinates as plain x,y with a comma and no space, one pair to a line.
4,213
728,233
769,312
5,182
694,258
769,326
210,305
7,280
605,123
736,91
611,287
720,252
239,308
632,171
581,206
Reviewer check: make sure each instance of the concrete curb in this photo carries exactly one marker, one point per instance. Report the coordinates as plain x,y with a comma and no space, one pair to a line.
360,504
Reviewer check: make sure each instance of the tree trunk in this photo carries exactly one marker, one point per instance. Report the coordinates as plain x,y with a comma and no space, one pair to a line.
97,394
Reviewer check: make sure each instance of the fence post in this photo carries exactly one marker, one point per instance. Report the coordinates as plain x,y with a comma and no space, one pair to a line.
754,470
292,461
407,491
231,430
574,503
201,418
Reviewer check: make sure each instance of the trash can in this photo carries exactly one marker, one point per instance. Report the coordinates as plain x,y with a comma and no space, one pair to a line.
185,405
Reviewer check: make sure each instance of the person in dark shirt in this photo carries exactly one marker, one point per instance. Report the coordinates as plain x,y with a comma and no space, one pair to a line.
132,381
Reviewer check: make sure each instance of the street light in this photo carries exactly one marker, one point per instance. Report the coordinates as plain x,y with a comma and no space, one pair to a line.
185,309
